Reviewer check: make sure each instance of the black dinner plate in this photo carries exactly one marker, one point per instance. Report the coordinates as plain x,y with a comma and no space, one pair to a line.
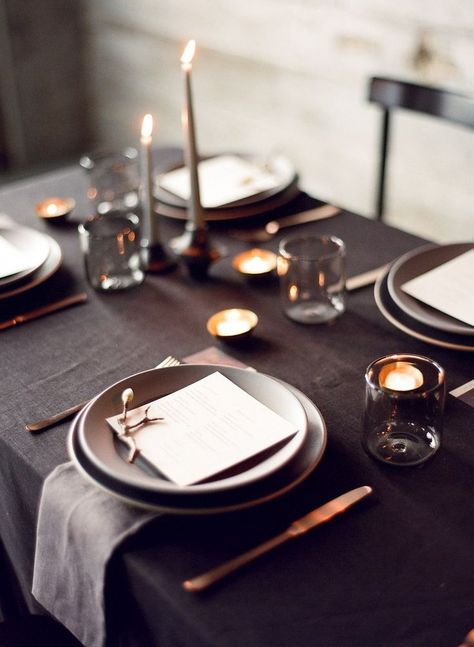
414,328
47,269
275,485
414,264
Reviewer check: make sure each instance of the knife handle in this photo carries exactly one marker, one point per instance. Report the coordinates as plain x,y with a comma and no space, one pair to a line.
311,215
36,427
201,582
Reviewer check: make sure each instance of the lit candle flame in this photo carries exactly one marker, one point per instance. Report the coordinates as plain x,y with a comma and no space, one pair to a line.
188,54
51,209
147,127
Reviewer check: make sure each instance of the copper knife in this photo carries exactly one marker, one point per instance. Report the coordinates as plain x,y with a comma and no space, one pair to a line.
315,518
44,310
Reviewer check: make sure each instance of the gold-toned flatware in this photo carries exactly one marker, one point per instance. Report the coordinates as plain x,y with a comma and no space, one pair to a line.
366,278
47,423
74,300
262,234
318,516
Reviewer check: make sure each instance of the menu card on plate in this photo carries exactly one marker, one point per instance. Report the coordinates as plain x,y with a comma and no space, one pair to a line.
12,260
208,426
222,180
448,287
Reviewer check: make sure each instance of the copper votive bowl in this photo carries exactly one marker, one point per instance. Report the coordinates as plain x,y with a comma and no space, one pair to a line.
232,324
255,263
55,209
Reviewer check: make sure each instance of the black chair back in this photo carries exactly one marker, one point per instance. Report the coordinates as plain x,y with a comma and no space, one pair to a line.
390,94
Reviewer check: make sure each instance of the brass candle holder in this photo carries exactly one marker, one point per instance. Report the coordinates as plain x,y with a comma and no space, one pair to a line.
232,324
255,264
55,209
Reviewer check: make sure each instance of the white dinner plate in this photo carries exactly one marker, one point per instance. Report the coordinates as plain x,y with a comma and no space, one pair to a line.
413,264
32,244
275,485
99,444
47,269
398,318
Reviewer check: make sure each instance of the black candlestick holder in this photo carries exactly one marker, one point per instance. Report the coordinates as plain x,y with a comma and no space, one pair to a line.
156,258
193,249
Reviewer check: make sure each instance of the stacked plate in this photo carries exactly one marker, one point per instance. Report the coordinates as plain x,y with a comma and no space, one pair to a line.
411,315
278,171
43,254
101,457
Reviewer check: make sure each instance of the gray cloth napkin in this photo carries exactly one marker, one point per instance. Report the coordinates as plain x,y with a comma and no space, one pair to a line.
79,528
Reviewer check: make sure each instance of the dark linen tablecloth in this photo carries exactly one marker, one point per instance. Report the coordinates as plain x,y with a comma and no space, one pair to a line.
398,570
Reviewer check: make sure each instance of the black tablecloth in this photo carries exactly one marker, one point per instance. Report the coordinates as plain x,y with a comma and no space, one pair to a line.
396,571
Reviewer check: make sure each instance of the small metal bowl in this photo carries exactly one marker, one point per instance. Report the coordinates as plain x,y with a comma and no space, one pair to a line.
55,209
232,324
255,263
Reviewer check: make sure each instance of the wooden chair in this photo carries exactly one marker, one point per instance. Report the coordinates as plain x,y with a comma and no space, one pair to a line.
391,94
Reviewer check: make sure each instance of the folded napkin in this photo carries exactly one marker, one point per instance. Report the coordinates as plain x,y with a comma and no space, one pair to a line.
79,529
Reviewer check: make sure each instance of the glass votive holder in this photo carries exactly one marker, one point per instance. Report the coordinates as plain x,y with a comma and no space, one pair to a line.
112,253
312,272
114,179
404,404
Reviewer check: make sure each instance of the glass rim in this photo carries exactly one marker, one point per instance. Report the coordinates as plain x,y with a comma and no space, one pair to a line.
89,160
397,357
338,249
83,229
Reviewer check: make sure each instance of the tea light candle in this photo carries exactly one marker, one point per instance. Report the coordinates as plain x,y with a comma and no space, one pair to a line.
255,262
55,208
401,376
232,323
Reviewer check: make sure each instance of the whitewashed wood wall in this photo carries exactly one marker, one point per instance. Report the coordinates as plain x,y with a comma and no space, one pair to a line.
291,75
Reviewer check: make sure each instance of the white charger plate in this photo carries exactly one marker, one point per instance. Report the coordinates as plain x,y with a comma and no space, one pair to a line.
277,484
101,449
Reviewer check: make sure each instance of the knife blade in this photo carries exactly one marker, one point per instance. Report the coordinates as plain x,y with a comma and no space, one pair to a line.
44,310
315,518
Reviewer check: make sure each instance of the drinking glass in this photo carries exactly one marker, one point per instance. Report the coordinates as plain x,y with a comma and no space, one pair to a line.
312,272
114,179
404,403
112,253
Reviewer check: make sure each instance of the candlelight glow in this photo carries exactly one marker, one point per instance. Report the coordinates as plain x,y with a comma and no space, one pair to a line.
255,261
401,376
52,209
147,127
188,53
232,323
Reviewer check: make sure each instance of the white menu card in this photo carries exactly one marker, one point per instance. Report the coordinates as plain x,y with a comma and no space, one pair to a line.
448,287
12,260
208,427
222,180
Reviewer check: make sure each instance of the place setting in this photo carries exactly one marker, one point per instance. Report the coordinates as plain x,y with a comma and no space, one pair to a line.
427,293
27,258
225,438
